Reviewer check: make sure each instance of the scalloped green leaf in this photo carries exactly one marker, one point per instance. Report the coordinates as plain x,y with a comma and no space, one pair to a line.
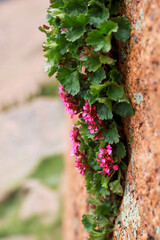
97,76
120,150
115,75
69,79
116,187
92,62
50,68
98,13
107,27
114,91
98,41
96,88
123,109
107,60
111,135
104,110
56,12
86,220
88,96
124,29
76,7
75,26
115,7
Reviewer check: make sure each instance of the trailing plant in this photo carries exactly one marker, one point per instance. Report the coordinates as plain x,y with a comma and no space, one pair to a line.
81,48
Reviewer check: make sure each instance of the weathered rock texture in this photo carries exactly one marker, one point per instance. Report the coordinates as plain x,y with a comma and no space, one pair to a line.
139,217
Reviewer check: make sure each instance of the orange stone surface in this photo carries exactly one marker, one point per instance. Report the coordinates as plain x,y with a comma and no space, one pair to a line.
139,215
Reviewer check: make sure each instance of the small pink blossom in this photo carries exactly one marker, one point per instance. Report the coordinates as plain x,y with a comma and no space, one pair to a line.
105,160
70,102
115,167
79,155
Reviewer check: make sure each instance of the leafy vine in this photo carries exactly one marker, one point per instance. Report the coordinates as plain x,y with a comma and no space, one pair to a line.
81,48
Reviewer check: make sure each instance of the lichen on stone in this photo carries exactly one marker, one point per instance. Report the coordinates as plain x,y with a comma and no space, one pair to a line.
132,162
138,97
157,230
138,25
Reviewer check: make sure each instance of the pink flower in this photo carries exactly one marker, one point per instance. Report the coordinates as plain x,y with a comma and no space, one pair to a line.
79,155
70,102
115,167
105,160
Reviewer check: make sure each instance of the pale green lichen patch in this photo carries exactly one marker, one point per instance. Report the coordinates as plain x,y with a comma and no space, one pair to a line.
141,13
138,97
127,2
139,25
157,230
132,161
129,215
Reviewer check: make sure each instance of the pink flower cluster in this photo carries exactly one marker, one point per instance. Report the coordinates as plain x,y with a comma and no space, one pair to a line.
70,102
106,161
89,114
79,155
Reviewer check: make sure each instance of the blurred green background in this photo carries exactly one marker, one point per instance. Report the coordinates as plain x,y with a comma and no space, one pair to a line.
32,126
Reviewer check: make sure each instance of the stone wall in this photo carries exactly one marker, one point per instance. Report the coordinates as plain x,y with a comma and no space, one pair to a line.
139,216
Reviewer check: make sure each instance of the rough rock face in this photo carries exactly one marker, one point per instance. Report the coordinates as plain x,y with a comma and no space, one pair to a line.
139,217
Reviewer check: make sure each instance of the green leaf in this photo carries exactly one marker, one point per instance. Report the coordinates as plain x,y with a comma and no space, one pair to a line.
87,224
104,222
123,166
120,150
96,88
92,63
107,27
104,110
98,235
76,7
123,109
53,50
69,79
115,75
98,13
97,76
114,91
88,96
102,210
106,60
55,12
98,41
111,135
105,181
93,201
50,68
116,187
124,99
124,29
75,26
115,7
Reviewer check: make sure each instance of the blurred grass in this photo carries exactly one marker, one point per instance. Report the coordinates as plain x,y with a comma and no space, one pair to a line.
49,89
49,172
